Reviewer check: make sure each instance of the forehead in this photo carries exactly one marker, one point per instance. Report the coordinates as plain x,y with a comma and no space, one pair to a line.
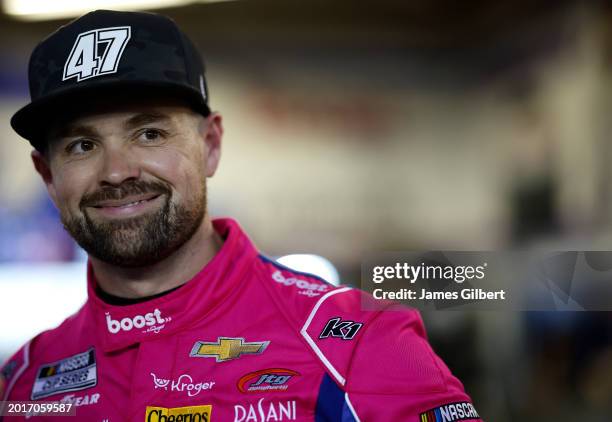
125,115
119,120
105,117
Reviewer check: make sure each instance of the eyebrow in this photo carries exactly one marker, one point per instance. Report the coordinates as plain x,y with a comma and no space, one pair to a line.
137,120
80,130
144,119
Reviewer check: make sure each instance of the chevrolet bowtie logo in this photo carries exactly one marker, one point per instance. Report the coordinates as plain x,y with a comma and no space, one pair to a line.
227,348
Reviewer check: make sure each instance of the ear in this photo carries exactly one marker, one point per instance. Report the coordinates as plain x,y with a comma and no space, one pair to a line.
213,127
44,170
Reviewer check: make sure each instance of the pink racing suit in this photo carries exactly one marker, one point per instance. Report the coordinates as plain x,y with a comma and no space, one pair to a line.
246,340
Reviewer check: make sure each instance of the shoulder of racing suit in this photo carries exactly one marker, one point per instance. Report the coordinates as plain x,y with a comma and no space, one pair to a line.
356,337
20,367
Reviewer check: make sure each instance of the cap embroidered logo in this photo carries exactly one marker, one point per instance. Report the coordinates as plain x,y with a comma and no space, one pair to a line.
96,53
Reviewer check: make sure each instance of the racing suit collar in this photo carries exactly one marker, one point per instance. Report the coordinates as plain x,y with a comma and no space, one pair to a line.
122,326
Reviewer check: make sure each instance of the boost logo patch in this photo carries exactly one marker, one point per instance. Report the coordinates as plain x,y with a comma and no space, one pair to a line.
74,373
178,414
275,379
450,413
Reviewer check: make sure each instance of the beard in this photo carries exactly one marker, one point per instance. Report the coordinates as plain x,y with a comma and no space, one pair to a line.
142,240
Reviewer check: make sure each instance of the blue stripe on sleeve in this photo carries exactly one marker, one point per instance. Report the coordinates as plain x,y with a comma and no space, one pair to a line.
331,406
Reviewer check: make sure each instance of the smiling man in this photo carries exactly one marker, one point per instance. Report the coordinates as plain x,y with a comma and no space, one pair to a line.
185,320
130,183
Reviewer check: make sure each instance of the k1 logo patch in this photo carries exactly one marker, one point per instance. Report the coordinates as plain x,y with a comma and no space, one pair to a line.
450,413
346,330
74,373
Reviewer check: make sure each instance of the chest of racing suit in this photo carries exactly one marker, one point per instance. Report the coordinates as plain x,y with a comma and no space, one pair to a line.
246,340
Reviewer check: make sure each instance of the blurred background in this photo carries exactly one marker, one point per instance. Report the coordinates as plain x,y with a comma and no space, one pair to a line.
361,126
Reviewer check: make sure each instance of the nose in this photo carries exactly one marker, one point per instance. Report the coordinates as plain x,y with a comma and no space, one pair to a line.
118,166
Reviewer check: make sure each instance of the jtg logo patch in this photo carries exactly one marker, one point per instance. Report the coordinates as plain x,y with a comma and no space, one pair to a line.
450,412
275,379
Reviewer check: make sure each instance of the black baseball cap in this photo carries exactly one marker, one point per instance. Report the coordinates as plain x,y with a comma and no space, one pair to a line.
106,52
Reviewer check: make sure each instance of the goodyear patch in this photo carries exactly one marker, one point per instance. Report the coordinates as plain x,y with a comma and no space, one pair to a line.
74,373
450,412
178,414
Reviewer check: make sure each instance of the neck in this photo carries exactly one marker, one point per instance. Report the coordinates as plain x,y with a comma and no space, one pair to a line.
169,273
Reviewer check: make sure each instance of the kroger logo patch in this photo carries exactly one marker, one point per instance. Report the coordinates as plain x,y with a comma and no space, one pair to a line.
71,374
450,413
184,383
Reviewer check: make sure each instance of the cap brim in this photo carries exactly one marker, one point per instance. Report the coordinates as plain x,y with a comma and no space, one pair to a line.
33,121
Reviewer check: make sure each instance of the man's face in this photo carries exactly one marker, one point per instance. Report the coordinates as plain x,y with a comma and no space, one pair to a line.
130,182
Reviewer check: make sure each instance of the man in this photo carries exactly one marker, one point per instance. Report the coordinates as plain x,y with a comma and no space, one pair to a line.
185,320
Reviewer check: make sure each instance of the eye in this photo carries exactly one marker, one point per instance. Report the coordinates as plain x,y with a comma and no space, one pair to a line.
149,135
80,146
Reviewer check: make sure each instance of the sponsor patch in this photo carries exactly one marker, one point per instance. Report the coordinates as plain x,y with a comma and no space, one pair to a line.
304,287
74,373
335,327
266,411
85,400
274,379
78,401
227,348
184,383
450,412
175,414
153,321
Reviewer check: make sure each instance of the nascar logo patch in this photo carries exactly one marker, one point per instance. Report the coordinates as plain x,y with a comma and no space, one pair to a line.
450,412
71,374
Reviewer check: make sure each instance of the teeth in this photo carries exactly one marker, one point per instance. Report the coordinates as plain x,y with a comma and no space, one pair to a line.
130,204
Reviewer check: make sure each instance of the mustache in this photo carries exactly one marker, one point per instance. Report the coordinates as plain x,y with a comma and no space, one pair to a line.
127,188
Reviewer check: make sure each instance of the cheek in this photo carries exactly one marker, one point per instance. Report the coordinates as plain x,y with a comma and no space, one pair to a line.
180,169
165,164
70,186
